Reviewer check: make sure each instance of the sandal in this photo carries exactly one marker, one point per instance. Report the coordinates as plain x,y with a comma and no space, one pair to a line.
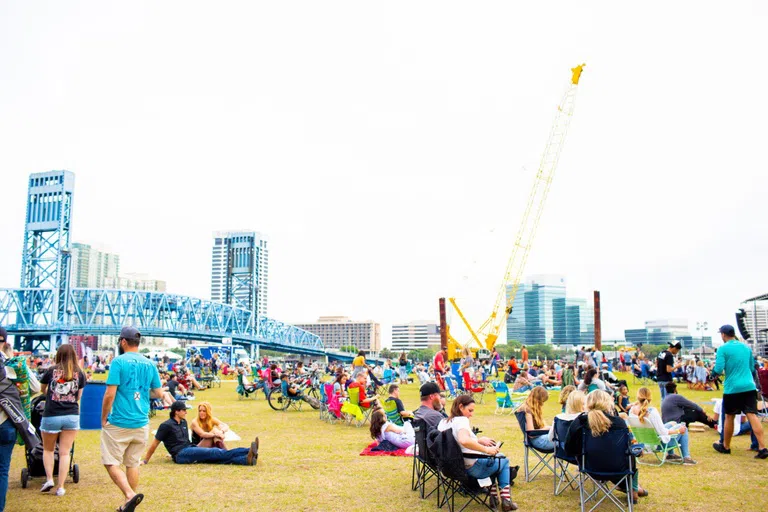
131,505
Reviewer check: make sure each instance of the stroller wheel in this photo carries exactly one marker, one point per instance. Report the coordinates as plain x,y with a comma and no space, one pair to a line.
24,477
75,473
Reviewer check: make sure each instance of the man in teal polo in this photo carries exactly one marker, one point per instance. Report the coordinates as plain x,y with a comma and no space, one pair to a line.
735,359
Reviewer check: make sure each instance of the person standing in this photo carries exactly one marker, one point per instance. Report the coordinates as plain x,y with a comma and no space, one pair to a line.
735,359
524,355
665,365
125,415
62,385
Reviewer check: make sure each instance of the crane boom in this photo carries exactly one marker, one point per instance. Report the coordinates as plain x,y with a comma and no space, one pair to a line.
513,273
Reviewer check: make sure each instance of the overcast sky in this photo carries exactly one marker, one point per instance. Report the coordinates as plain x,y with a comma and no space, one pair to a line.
387,148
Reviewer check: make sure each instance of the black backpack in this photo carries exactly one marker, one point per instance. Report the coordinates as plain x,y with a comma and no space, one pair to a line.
447,453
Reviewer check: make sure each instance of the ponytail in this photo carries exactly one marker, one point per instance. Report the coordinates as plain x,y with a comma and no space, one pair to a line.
599,423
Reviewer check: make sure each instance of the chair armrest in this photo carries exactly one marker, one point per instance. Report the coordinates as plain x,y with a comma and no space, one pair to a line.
537,433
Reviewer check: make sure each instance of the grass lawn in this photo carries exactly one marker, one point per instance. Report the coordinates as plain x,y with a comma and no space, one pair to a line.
306,464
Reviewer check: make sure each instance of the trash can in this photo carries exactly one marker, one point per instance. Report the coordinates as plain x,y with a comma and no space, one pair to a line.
90,405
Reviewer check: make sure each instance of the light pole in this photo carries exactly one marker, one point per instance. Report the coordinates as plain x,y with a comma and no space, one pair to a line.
701,328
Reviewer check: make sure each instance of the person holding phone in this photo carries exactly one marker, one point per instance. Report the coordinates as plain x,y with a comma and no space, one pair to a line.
495,467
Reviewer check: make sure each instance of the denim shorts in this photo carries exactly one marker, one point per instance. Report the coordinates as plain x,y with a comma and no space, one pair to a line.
55,424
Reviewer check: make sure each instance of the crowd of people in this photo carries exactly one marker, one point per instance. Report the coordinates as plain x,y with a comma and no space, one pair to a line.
592,401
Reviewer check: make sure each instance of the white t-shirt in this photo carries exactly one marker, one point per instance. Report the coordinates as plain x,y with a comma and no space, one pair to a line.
721,417
457,424
654,418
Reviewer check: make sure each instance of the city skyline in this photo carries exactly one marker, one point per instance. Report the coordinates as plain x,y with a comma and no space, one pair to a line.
388,184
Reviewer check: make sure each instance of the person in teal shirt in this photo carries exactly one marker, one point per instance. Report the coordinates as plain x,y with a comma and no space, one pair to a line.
735,359
125,415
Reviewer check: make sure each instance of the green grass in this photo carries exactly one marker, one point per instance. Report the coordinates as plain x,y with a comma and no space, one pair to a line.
306,464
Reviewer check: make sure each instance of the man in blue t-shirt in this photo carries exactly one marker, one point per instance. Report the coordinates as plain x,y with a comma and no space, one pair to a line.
125,414
735,359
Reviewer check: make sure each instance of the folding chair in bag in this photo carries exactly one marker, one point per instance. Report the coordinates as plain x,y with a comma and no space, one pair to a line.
473,388
424,466
564,478
608,463
390,409
544,457
646,435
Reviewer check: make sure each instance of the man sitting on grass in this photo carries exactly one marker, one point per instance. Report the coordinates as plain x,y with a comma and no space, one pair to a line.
174,434
678,409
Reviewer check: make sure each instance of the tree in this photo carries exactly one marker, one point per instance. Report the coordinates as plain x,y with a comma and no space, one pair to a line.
387,353
178,351
423,354
144,350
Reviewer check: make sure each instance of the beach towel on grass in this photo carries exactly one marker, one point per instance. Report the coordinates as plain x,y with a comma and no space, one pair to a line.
374,450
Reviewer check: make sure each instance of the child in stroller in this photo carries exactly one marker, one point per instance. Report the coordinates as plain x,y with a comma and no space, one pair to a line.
35,468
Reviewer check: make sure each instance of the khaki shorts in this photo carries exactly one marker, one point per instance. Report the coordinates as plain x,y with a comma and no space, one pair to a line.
123,445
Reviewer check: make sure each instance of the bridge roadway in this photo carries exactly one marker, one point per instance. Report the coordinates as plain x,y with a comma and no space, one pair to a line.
30,312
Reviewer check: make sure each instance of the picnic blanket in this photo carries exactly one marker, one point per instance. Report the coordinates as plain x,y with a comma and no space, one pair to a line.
371,450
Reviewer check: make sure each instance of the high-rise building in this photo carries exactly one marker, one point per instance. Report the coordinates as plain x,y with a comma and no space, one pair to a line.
91,267
340,331
541,313
240,270
415,335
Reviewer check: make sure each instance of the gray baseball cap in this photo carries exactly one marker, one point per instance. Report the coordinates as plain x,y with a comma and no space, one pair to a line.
130,333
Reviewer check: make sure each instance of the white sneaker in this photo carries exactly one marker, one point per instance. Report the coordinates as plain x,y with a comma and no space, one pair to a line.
47,486
60,491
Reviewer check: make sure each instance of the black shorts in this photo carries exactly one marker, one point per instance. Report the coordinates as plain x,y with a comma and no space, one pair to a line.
740,403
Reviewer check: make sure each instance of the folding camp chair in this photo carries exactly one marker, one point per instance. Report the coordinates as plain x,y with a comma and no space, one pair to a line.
544,457
504,402
355,412
424,466
563,477
450,385
473,388
608,463
646,435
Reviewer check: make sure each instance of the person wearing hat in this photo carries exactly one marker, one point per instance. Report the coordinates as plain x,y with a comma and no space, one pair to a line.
174,434
432,404
125,415
735,359
665,366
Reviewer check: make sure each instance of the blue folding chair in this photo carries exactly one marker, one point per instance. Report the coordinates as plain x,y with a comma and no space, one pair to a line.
563,477
544,457
607,462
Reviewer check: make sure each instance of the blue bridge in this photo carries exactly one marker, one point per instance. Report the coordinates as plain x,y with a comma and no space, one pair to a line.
45,311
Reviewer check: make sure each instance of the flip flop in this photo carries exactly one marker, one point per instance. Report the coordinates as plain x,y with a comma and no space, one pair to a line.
131,505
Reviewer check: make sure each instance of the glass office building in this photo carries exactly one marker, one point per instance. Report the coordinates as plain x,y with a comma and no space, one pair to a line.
541,313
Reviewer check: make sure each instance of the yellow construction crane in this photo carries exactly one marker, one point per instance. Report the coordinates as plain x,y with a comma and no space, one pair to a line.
485,336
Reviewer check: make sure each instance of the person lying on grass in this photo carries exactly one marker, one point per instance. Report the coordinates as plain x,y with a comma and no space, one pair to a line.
174,435
384,430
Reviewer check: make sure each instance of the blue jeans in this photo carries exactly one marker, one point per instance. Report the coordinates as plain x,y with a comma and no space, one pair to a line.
523,389
662,390
679,439
542,443
7,442
496,468
194,454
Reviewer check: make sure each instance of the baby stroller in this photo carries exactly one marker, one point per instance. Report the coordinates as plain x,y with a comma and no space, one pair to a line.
34,457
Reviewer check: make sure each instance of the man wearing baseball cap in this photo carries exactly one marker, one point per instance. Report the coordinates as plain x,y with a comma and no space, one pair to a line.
125,415
739,391
174,434
432,403
665,365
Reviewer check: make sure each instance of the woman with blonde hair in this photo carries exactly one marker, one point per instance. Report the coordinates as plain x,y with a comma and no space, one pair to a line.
564,393
534,417
675,432
574,405
599,419
62,386
207,431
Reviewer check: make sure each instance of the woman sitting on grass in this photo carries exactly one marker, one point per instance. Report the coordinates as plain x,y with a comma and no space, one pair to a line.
532,407
600,418
592,382
207,431
676,432
384,430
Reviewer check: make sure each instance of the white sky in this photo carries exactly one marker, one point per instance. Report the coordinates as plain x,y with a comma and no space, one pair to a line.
386,148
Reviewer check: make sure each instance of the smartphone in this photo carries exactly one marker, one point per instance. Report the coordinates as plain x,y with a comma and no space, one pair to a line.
500,445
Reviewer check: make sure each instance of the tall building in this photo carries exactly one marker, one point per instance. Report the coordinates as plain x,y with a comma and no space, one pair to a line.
240,270
340,331
91,268
415,335
541,313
